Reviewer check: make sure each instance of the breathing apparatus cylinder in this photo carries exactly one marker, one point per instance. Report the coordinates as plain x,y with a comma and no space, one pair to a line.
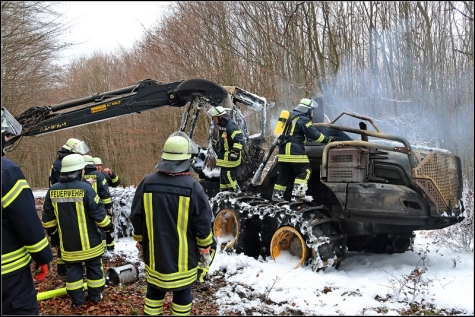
280,125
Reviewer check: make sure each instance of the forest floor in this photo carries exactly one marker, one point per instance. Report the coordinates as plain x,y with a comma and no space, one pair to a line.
118,300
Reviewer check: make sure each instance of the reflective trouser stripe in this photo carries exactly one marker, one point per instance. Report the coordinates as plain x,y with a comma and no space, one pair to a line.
181,310
153,306
172,280
303,180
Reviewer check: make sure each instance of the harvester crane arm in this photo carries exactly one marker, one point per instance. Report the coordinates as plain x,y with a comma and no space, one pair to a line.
146,95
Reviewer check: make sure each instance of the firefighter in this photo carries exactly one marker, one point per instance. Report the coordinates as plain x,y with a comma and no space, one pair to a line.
23,236
73,208
172,218
100,185
230,144
71,146
294,163
112,179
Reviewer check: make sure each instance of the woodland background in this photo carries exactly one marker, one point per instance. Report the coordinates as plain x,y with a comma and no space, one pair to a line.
407,64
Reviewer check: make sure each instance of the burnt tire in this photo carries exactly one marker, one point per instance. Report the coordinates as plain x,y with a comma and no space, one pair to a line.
235,231
311,235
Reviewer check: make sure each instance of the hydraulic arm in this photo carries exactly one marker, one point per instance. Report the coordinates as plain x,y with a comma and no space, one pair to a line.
145,95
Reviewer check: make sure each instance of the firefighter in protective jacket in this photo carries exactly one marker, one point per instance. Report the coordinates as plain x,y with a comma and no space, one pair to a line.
71,146
101,187
230,145
112,178
23,236
171,217
73,208
293,161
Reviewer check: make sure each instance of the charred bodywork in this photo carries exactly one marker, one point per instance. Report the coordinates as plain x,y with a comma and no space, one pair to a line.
363,195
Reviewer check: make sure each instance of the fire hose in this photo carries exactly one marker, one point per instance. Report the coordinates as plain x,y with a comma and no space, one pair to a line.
122,275
53,293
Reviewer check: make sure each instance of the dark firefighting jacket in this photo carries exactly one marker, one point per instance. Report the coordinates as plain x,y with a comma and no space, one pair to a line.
171,217
293,148
76,210
230,139
56,167
112,180
23,236
100,185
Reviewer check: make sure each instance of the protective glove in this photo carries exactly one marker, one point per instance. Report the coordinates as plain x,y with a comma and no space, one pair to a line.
233,156
327,139
54,234
109,227
204,263
43,271
140,248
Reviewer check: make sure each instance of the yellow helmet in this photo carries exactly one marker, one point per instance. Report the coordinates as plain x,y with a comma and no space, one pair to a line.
72,162
97,160
88,159
306,106
176,153
176,148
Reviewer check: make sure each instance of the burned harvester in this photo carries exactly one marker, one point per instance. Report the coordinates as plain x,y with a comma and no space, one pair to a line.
365,195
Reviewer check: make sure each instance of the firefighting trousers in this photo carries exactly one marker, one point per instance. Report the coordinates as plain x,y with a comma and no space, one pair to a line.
227,179
74,279
155,298
299,173
19,293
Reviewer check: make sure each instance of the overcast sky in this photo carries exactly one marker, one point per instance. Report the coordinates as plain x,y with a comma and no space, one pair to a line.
99,25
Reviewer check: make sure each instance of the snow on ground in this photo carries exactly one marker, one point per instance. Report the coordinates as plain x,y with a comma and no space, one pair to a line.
356,288
353,289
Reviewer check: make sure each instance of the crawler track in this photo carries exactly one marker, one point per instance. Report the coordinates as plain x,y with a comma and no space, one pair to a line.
256,227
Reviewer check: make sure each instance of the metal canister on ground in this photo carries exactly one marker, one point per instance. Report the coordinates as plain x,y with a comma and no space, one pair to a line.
126,274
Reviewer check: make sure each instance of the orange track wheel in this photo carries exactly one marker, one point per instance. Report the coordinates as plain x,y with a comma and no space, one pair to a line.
288,238
226,228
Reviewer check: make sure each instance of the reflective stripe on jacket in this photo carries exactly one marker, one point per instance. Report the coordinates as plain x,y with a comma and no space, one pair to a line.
23,236
301,129
100,185
171,218
230,139
112,180
77,211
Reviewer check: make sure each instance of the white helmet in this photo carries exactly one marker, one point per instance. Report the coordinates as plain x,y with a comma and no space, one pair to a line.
72,162
76,146
217,111
97,160
9,123
88,159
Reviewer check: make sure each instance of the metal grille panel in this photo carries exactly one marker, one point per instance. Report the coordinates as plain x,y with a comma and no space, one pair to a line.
442,182
346,175
341,159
